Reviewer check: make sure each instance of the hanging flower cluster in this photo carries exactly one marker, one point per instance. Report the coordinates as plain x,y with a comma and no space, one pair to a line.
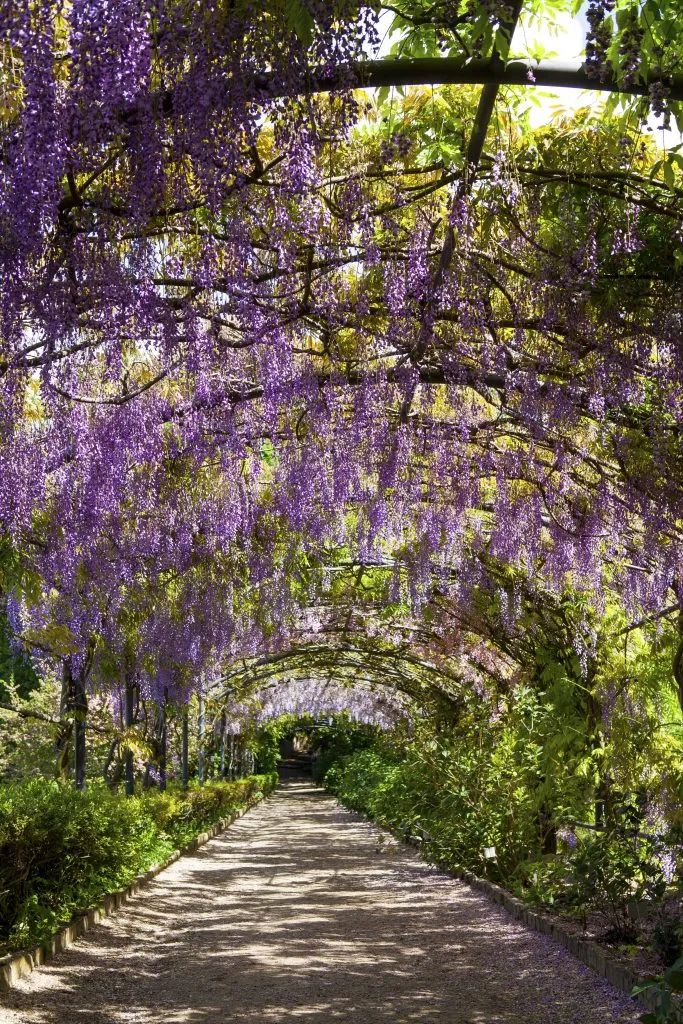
323,699
230,345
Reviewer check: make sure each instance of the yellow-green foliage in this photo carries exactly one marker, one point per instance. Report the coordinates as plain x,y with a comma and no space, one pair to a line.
179,815
62,851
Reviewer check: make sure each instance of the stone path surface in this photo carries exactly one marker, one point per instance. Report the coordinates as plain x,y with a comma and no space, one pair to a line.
300,912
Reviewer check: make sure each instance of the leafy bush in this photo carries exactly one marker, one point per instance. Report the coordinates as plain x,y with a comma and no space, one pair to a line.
668,996
667,940
344,737
429,798
426,796
616,866
179,815
370,783
61,851
543,882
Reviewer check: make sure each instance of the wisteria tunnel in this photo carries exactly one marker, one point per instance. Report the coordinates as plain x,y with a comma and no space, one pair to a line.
341,482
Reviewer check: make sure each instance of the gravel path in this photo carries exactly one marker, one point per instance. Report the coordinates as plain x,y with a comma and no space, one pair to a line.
299,912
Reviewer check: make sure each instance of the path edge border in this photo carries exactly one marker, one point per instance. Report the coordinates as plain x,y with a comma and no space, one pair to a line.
15,966
589,952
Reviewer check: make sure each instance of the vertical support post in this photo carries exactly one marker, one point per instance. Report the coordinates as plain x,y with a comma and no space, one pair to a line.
678,657
62,739
162,739
129,706
80,713
200,734
223,728
184,762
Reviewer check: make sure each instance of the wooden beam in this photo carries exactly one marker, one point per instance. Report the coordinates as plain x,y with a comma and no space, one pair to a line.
399,71
403,71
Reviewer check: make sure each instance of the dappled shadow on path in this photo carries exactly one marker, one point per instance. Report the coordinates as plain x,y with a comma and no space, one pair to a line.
299,913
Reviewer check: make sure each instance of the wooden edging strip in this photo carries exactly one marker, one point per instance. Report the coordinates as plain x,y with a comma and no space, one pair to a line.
618,975
622,977
17,965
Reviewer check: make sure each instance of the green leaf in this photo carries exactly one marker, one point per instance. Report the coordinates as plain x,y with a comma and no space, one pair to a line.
674,978
299,19
669,175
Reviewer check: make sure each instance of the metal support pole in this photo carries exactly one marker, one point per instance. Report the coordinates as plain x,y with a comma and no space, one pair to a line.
185,768
200,735
80,713
162,739
129,711
223,729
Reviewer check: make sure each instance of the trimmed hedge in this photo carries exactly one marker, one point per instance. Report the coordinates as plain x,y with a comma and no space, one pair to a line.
62,851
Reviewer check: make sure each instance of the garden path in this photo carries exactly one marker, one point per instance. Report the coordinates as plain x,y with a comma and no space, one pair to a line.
300,912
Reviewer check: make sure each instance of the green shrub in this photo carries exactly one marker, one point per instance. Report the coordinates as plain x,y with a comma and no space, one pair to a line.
339,740
616,866
545,881
430,802
179,815
667,940
61,850
667,992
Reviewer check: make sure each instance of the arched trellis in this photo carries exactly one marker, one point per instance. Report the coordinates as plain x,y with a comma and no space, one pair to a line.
439,660
427,363
349,661
492,73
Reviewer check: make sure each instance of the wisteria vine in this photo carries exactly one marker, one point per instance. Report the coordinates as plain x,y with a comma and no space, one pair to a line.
246,333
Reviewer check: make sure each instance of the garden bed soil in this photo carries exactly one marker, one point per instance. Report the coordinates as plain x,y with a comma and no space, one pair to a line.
638,956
